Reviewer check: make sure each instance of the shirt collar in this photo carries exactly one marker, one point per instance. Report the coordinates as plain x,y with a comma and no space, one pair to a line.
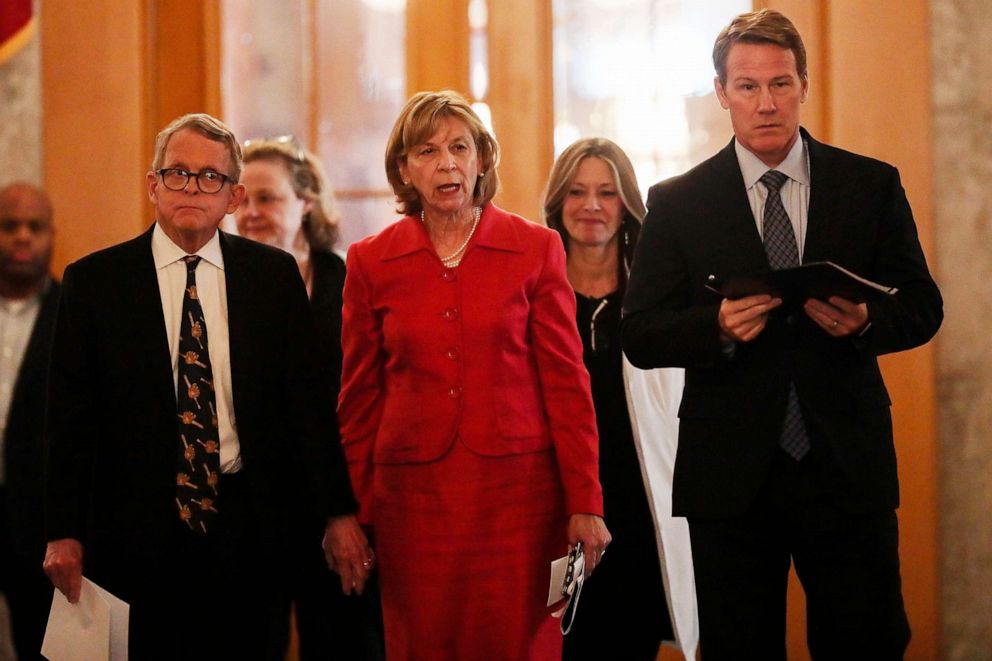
794,166
15,306
165,251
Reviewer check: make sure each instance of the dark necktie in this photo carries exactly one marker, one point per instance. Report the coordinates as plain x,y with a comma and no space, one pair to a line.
199,441
780,246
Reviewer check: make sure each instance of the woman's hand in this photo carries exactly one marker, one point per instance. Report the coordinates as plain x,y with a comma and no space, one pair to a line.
591,531
347,552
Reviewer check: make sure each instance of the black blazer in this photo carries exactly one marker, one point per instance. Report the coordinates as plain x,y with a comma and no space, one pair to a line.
113,423
23,439
326,302
699,224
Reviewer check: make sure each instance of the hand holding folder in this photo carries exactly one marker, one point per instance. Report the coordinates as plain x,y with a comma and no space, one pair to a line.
819,280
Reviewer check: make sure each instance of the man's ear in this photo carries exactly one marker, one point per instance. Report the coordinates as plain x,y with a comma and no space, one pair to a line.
720,93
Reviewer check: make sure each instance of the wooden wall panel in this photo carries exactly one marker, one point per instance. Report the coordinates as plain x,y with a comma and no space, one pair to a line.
437,45
522,100
93,91
879,70
869,63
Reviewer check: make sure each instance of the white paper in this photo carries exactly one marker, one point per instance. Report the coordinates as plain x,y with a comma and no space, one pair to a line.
94,629
558,569
120,612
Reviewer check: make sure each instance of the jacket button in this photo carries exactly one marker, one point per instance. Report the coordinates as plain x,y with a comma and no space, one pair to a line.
454,392
450,314
448,275
452,353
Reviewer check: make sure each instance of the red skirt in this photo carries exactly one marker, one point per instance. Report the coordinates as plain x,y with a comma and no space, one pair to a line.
465,545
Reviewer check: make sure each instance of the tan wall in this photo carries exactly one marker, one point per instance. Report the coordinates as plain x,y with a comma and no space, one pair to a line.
880,106
93,91
963,215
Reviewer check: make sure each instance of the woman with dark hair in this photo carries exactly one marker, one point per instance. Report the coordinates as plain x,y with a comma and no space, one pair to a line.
593,201
290,205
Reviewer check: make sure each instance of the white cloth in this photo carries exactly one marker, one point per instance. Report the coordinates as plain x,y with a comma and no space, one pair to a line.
795,191
17,318
653,398
212,291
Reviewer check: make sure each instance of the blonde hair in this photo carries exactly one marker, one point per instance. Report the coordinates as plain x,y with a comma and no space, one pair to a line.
563,174
321,225
765,26
417,122
207,126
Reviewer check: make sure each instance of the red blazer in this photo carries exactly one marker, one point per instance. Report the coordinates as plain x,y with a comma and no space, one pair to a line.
487,352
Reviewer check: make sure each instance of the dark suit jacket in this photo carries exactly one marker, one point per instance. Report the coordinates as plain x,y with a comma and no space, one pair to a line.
325,301
23,439
113,426
699,224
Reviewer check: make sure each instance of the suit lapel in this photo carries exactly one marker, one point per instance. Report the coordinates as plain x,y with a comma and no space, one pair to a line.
151,344
237,280
822,205
731,204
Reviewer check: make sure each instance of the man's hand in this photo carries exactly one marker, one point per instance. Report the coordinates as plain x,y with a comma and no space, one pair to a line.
591,531
64,566
838,316
743,319
348,552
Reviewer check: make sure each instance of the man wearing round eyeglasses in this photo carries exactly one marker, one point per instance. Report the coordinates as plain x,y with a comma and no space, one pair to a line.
188,419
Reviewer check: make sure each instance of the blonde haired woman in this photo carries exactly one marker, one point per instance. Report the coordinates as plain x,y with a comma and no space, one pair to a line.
593,201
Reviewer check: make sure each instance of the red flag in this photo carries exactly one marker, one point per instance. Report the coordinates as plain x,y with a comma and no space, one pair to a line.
17,26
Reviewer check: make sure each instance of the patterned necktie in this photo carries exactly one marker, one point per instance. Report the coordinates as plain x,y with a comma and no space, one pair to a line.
199,445
780,246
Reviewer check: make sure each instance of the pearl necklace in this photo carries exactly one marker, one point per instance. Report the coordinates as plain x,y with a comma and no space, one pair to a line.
455,258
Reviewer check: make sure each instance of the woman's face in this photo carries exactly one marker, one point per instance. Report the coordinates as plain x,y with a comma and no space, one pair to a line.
444,169
593,211
271,212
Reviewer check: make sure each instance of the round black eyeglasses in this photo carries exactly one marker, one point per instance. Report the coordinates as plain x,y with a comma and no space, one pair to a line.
207,181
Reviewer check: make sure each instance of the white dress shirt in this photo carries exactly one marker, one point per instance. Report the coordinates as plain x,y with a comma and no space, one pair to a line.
17,318
795,191
211,289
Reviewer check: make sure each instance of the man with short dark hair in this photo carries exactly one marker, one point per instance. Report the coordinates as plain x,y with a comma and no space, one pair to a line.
28,301
785,439
188,418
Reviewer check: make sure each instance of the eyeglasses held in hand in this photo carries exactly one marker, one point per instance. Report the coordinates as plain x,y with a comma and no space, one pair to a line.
207,181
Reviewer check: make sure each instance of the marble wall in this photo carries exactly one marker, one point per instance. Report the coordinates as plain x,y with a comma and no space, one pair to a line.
962,104
20,116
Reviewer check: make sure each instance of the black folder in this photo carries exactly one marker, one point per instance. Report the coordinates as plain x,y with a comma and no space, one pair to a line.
794,285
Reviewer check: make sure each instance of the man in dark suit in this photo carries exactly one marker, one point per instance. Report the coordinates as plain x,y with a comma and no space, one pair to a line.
188,418
785,441
28,301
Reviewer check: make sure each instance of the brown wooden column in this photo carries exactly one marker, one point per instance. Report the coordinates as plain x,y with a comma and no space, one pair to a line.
113,74
870,93
522,100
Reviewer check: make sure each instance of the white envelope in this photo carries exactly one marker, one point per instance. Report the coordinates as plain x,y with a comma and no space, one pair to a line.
94,629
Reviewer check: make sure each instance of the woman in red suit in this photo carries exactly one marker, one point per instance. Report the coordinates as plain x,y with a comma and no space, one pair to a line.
465,408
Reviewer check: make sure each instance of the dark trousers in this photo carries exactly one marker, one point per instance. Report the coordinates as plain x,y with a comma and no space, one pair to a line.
216,596
848,565
27,590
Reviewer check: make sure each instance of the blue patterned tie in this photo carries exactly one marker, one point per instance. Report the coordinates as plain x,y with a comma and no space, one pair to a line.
199,445
783,252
